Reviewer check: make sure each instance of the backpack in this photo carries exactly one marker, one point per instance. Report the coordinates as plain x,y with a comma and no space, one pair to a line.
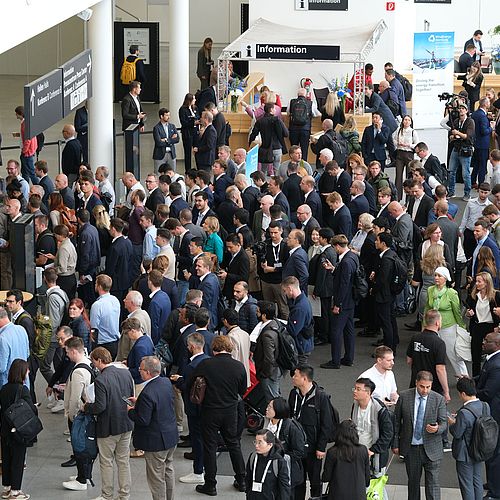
163,353
288,462
128,72
340,149
393,106
106,200
198,390
360,286
399,276
300,112
441,174
484,436
40,142
43,335
68,218
288,356
334,411
407,87
93,372
24,421
84,441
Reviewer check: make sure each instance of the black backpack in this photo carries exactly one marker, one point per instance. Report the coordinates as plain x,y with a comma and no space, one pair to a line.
399,276
288,356
393,106
106,200
407,87
484,436
320,392
441,174
300,112
360,286
340,149
24,421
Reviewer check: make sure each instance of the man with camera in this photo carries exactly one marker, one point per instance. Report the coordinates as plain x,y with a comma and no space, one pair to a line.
461,138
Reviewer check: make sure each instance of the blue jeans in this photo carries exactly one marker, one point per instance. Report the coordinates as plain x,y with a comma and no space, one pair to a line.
271,385
28,168
182,289
455,161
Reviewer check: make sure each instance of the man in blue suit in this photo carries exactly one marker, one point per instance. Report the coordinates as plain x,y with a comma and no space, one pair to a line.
209,285
297,263
165,138
390,76
488,390
205,143
469,472
221,181
196,348
342,325
311,197
483,129
358,204
341,222
484,238
160,306
375,138
155,428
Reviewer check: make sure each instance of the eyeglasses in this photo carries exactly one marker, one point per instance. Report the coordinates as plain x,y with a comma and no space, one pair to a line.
259,443
142,369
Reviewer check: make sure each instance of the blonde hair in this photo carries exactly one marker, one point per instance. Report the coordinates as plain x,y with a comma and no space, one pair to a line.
366,221
212,224
433,258
490,289
349,124
331,103
101,215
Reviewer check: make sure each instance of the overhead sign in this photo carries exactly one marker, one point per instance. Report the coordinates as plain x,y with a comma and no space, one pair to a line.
77,81
321,4
290,51
43,103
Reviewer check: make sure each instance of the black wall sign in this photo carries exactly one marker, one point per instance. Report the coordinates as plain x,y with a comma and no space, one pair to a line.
321,4
77,81
308,52
43,103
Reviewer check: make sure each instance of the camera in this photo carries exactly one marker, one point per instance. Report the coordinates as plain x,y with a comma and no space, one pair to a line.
445,96
259,249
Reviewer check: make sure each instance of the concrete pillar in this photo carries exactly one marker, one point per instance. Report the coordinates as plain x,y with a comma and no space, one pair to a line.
100,40
178,29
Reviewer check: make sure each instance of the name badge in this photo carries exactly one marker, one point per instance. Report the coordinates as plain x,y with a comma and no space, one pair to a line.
257,487
278,265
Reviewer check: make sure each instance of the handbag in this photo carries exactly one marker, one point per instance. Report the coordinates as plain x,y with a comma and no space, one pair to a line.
466,150
198,389
376,490
462,344
24,421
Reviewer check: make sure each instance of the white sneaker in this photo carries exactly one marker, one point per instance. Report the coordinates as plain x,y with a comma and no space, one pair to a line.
67,432
192,478
58,406
74,485
51,404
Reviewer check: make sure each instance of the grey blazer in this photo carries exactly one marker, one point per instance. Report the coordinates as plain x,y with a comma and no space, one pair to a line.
435,411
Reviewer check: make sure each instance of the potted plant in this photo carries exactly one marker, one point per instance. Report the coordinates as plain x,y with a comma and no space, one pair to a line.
495,49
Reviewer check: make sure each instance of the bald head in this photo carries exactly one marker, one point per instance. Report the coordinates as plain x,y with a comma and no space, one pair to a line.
61,181
383,85
301,93
327,124
395,209
128,179
491,343
68,131
241,181
240,156
266,203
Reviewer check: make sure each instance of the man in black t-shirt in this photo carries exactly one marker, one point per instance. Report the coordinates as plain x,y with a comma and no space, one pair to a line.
45,241
426,351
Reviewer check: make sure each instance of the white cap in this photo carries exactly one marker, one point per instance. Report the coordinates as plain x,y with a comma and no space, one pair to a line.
443,271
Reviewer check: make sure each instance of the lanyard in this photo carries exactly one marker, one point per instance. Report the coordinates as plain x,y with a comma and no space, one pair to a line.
297,415
278,428
255,468
276,252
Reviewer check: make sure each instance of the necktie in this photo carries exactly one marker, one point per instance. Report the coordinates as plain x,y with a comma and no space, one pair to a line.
200,218
419,423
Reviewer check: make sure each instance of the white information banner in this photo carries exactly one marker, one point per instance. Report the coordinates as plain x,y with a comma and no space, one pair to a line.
432,75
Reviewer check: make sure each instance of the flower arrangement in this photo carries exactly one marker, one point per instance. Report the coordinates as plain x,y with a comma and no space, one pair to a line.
235,90
340,87
495,49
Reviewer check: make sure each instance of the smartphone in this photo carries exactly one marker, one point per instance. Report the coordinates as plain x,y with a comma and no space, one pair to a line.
127,400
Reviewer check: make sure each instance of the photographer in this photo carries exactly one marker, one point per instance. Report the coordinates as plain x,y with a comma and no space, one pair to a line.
461,139
270,267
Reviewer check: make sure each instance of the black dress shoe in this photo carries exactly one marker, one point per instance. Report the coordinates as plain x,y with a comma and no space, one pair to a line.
189,455
206,490
184,444
330,366
187,437
346,363
69,463
239,487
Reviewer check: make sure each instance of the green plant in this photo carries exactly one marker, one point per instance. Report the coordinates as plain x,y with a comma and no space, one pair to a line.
495,30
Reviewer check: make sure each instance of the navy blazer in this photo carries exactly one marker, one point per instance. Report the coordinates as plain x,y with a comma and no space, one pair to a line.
342,222
181,354
493,246
283,202
155,426
155,198
159,310
342,185
343,278
482,130
161,146
48,188
293,193
220,186
176,206
314,202
118,263
207,145
210,213
297,265
488,385
376,143
358,206
94,201
238,269
211,291
88,250
190,409
71,157
370,196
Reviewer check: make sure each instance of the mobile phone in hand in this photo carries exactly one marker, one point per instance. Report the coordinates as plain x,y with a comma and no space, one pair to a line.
127,400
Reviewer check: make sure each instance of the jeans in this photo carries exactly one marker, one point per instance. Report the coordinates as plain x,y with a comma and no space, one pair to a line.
276,160
271,385
455,161
28,168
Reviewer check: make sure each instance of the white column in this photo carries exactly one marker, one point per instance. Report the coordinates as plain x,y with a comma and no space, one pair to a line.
178,29
100,39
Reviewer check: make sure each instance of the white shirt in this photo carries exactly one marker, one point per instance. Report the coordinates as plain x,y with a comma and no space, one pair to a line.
293,250
239,305
489,356
364,426
385,383
137,105
204,276
415,414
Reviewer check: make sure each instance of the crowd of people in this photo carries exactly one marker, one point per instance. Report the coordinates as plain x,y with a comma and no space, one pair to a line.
203,288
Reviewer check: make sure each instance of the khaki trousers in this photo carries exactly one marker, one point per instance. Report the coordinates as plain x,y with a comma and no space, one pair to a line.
115,449
272,292
160,473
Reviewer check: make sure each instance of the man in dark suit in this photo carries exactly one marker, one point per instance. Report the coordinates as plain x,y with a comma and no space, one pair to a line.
241,220
375,138
132,112
205,143
250,195
430,162
118,260
311,197
206,96
449,229
488,390
306,223
81,126
87,199
186,219
178,202
201,208
375,104
484,238
478,44
236,266
113,428
359,174
420,422
342,322
160,306
195,346
209,285
483,129
155,196
384,298
219,124
324,142
419,204
358,204
341,180
274,186
41,171
292,190
341,222
221,182
71,157
297,263
467,58
155,428
165,138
